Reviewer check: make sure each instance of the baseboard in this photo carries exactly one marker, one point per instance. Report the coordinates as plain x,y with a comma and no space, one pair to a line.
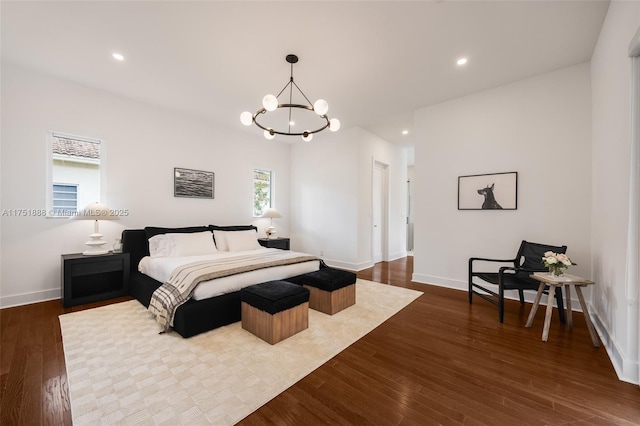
529,295
354,267
439,281
28,298
398,255
626,370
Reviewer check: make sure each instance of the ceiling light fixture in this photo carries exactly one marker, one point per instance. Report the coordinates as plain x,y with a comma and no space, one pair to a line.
462,61
118,56
270,103
405,132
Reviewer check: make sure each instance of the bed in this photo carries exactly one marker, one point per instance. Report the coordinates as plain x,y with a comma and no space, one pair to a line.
205,312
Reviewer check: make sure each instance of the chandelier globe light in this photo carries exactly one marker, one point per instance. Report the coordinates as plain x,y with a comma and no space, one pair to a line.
270,103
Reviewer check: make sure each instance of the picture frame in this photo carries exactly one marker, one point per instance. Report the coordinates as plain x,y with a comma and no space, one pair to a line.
192,183
492,191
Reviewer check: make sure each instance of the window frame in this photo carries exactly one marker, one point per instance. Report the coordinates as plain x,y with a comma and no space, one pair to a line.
271,189
49,182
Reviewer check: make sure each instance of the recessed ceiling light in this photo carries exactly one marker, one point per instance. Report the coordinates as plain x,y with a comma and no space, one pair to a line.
292,123
118,57
405,132
462,61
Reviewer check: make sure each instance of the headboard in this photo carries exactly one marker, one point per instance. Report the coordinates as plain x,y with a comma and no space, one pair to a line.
136,241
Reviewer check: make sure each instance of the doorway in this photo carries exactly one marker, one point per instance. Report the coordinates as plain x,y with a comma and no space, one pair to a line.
379,216
409,219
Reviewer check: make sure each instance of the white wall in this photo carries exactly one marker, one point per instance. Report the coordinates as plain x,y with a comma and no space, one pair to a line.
331,205
324,194
611,86
144,145
371,149
539,127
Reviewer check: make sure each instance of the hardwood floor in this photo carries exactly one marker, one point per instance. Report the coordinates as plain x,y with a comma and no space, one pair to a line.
33,376
438,361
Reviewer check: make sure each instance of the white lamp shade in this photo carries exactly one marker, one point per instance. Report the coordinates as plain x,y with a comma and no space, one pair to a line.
270,103
246,118
321,107
95,211
307,137
334,124
269,135
271,213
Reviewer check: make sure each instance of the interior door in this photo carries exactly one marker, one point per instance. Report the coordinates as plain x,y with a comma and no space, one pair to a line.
409,219
377,213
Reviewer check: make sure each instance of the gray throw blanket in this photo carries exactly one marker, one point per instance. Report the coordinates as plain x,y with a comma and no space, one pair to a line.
184,279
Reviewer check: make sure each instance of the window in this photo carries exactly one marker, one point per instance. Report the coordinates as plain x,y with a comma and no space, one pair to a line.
261,191
75,173
65,198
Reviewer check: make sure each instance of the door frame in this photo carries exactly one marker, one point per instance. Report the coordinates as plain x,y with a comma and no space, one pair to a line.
384,207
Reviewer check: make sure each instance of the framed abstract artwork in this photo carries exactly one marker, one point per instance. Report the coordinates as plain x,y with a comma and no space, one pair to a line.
193,183
495,191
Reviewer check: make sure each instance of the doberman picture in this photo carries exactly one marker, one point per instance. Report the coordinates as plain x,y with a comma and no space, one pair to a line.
489,199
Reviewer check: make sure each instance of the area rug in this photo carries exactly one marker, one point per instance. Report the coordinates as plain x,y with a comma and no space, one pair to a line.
120,371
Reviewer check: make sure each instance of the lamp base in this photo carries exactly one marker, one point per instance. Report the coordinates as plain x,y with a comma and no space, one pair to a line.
95,244
271,232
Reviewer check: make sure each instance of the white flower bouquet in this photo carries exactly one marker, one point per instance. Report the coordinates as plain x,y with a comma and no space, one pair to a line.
556,262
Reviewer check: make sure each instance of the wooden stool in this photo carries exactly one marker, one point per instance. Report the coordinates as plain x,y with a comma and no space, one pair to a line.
567,281
331,290
275,310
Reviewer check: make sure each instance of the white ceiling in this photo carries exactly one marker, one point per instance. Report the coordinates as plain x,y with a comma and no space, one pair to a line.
374,62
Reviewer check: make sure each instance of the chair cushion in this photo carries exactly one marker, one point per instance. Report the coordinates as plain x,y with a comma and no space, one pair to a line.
274,296
510,281
329,279
490,277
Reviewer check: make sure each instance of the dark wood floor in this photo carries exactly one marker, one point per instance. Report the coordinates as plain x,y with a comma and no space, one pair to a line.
438,361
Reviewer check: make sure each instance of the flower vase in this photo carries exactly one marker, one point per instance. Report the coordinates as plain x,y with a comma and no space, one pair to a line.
555,271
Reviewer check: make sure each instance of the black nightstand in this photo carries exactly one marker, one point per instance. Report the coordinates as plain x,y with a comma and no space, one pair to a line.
87,279
279,243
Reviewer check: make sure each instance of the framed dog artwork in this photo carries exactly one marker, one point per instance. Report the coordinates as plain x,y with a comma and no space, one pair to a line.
494,191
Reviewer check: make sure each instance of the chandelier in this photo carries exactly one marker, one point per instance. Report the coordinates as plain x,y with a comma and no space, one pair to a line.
294,111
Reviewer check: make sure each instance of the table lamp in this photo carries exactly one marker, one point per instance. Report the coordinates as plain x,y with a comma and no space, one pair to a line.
271,213
95,211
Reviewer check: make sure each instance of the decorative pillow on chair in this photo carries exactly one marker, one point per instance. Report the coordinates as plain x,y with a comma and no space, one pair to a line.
242,240
192,244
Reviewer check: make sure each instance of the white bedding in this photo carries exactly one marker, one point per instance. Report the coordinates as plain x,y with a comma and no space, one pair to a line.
160,269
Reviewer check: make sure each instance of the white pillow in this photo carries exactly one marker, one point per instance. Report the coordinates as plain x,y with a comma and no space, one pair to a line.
242,240
192,244
221,240
159,246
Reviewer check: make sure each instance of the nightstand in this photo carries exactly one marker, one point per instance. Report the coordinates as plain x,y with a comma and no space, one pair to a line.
279,243
87,279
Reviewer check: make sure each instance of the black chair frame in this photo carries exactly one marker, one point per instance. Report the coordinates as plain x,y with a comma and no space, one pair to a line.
513,277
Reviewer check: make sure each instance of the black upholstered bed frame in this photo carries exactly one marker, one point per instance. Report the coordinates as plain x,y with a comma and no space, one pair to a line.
195,316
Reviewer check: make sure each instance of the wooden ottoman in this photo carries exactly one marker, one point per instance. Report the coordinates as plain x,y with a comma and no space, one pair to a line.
275,310
331,290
